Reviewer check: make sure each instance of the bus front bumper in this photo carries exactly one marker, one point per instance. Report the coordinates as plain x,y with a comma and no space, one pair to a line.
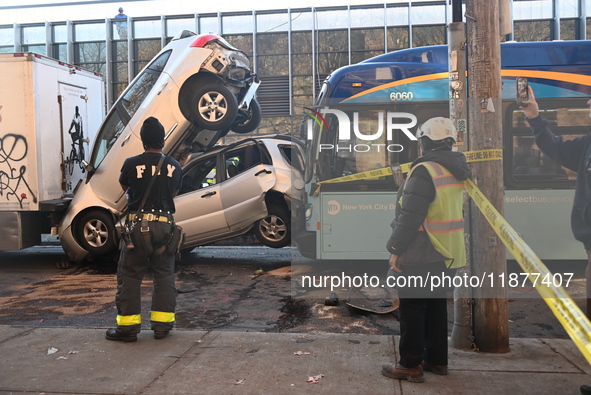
306,243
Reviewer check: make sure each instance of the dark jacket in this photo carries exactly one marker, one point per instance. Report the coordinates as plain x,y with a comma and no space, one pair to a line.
575,155
418,195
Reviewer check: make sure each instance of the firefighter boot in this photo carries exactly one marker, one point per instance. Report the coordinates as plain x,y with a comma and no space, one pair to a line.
120,335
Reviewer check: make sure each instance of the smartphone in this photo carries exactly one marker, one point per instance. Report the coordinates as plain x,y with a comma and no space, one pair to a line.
522,91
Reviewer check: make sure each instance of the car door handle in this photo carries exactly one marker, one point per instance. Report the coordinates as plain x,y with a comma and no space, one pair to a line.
162,88
263,171
208,194
125,140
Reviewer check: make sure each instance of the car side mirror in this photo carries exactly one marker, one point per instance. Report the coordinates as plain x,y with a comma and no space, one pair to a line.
87,166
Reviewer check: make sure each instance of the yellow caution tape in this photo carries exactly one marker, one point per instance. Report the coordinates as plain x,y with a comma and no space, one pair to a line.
384,171
566,311
482,155
471,156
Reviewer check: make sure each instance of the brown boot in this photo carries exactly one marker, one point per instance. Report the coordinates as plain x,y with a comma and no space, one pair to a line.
437,369
399,372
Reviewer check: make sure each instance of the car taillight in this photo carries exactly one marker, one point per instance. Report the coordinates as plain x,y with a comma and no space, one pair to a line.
201,41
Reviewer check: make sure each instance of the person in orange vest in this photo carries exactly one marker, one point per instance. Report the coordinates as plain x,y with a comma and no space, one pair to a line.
429,217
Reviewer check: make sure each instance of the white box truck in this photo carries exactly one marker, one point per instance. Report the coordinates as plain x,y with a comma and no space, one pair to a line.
49,115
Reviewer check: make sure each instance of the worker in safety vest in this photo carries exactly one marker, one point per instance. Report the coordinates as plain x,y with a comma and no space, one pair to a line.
427,239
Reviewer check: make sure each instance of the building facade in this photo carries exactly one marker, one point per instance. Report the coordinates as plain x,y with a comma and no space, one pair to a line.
292,50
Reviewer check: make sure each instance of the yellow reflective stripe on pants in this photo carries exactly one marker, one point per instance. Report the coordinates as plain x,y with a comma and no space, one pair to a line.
126,320
161,316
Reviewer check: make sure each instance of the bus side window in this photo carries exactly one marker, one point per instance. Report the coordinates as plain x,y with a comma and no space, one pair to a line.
526,157
527,166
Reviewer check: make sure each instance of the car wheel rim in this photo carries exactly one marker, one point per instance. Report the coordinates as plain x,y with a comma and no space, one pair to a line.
96,233
213,106
273,228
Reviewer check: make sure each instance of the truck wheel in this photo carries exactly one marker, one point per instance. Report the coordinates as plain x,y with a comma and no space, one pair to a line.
95,231
214,107
253,118
275,229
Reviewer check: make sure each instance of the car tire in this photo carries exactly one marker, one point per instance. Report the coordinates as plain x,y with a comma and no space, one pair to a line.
95,231
275,229
253,118
214,107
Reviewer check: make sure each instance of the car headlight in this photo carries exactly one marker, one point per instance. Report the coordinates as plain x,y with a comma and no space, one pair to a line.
308,212
237,73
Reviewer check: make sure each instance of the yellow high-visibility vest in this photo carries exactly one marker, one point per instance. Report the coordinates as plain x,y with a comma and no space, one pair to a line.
445,219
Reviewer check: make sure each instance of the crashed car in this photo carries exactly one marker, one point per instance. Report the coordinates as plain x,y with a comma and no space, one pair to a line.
253,184
200,88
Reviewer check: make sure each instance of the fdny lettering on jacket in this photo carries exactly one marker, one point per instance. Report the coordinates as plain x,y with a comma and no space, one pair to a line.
142,168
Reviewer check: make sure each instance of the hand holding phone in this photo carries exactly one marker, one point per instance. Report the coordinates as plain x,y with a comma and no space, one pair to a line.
529,106
522,91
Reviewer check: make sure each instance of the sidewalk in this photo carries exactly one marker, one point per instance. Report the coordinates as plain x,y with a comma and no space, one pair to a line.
220,362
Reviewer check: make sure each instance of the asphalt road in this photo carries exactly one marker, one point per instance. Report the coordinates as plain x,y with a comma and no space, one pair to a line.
231,288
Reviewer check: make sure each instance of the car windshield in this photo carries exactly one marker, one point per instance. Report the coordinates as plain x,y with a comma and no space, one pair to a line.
111,129
125,108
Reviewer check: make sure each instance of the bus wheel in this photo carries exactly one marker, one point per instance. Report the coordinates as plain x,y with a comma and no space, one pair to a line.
95,231
275,229
214,107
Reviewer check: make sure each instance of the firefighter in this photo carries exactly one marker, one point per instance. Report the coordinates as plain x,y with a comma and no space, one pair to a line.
150,237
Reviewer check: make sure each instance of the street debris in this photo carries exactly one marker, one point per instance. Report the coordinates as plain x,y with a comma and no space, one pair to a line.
73,352
52,350
62,264
62,357
332,300
240,381
301,353
315,379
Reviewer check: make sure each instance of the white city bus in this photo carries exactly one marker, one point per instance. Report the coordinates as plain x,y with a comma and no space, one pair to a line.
350,220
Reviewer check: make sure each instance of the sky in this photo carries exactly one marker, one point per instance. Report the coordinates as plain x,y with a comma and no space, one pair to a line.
47,10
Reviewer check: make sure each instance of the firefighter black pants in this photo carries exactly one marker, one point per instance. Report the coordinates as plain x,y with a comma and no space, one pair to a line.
133,264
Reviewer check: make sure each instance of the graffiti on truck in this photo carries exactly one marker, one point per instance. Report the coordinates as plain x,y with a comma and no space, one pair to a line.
13,149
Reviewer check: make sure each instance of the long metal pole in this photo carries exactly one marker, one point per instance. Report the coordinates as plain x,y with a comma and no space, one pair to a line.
461,335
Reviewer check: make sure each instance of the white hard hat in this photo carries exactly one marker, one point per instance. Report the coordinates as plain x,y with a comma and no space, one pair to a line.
438,128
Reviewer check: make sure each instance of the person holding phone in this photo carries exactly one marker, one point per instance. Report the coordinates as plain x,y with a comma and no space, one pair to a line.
575,155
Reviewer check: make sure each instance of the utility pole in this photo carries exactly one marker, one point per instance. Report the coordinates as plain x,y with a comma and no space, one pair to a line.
461,334
491,322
